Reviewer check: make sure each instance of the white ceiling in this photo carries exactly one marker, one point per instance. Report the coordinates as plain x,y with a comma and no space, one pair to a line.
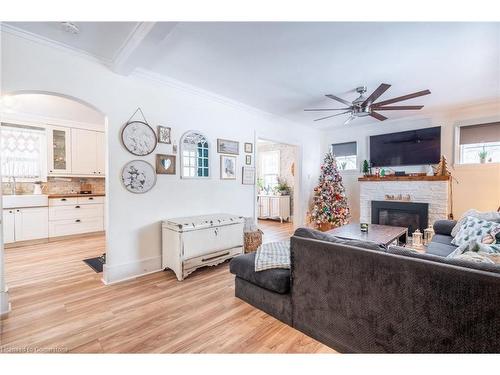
284,67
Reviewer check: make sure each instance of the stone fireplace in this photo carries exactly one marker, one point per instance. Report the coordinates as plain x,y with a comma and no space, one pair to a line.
429,194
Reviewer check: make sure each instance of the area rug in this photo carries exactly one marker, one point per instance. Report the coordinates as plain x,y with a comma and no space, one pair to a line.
96,263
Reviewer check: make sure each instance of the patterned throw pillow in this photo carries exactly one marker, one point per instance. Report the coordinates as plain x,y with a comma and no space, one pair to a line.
474,229
490,216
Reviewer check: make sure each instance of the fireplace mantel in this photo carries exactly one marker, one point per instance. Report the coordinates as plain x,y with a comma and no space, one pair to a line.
404,178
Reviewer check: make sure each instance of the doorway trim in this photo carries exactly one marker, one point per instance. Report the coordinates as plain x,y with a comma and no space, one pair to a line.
298,212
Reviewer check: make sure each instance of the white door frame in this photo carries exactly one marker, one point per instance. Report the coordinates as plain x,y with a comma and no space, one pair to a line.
298,209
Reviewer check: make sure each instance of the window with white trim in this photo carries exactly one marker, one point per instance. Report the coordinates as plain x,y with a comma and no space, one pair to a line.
270,168
23,153
346,155
480,143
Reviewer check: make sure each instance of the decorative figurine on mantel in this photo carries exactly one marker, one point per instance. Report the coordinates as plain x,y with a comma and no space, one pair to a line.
442,168
366,168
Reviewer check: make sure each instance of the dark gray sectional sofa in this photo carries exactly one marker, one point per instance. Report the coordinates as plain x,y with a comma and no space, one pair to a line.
362,298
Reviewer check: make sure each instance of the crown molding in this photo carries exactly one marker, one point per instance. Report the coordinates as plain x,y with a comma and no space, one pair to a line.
163,80
145,74
39,120
53,44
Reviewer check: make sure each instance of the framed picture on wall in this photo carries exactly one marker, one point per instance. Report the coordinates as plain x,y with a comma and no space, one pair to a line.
248,148
248,176
225,146
227,167
164,134
248,159
165,164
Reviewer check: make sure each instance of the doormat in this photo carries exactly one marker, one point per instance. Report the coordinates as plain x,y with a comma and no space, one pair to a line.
96,263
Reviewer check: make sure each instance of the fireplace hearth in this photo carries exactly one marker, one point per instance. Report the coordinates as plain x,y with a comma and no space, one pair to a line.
401,214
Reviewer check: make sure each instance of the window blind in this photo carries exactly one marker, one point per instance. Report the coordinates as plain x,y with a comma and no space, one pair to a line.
481,133
344,149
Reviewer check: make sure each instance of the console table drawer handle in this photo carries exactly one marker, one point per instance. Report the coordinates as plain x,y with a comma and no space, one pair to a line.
215,257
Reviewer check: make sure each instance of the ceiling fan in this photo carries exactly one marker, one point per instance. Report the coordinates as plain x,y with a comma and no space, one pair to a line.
362,106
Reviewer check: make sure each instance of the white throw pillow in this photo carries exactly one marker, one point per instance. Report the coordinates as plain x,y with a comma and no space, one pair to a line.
489,216
474,229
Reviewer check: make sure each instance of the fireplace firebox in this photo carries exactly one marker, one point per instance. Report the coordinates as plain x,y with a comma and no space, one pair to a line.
401,214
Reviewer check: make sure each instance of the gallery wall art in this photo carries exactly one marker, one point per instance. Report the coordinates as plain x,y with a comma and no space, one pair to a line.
138,176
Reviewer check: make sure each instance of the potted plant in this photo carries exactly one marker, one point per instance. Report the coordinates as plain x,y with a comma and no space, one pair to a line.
482,156
282,188
260,184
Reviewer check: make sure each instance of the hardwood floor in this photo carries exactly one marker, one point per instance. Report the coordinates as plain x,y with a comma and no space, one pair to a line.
59,304
274,230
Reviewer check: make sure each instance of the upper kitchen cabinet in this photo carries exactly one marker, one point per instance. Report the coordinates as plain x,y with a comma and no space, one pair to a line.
59,150
84,152
101,153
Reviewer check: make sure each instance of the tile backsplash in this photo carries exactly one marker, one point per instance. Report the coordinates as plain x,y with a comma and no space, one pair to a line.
57,185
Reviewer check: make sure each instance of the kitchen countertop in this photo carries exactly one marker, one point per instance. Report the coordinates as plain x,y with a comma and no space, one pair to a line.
75,195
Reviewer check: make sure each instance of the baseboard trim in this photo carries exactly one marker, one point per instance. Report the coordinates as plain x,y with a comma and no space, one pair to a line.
126,271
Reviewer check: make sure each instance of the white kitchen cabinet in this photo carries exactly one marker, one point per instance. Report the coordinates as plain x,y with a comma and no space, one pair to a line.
274,207
59,150
75,215
192,242
84,152
24,224
101,153
9,226
31,223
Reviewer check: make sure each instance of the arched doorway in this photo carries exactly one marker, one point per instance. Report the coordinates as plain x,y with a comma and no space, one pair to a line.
74,161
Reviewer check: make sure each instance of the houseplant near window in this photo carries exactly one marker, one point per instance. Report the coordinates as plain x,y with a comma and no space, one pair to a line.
482,156
282,188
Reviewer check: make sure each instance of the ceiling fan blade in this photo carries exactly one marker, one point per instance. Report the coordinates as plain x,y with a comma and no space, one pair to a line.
398,107
401,98
325,109
376,94
337,114
338,99
378,116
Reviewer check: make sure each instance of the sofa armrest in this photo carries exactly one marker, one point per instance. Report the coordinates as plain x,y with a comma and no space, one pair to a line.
444,227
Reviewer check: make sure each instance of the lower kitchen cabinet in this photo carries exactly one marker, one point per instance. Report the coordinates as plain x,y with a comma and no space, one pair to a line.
24,224
69,216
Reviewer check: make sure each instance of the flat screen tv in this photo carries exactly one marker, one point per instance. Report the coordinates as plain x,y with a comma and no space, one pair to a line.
414,147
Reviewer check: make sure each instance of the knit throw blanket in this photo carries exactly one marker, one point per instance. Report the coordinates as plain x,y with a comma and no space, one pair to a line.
273,255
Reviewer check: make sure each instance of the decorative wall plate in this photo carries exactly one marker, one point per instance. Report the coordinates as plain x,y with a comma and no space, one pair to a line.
138,176
139,138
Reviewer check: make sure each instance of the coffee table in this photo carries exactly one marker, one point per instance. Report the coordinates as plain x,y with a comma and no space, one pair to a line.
381,234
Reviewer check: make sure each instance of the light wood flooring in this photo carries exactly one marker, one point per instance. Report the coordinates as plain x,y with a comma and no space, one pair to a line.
60,304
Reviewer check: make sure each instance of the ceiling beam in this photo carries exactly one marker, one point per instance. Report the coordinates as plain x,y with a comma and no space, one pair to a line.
142,47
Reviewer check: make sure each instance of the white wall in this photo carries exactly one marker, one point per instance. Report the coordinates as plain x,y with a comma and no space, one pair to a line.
477,185
134,219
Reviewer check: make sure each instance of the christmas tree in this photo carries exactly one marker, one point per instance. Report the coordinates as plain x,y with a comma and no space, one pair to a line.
329,203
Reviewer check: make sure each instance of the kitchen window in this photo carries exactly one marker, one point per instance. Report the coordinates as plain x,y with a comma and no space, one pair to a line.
346,155
23,153
479,143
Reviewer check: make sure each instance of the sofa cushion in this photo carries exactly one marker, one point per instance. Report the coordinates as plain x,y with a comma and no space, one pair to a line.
322,236
398,250
276,280
440,249
444,227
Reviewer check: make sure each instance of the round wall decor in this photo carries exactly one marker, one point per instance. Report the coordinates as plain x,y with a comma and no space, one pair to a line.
138,176
139,138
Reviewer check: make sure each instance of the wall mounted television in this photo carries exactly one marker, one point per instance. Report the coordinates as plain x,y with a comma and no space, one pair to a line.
414,147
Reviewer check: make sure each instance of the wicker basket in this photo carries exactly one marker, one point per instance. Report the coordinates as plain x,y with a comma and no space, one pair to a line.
253,240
